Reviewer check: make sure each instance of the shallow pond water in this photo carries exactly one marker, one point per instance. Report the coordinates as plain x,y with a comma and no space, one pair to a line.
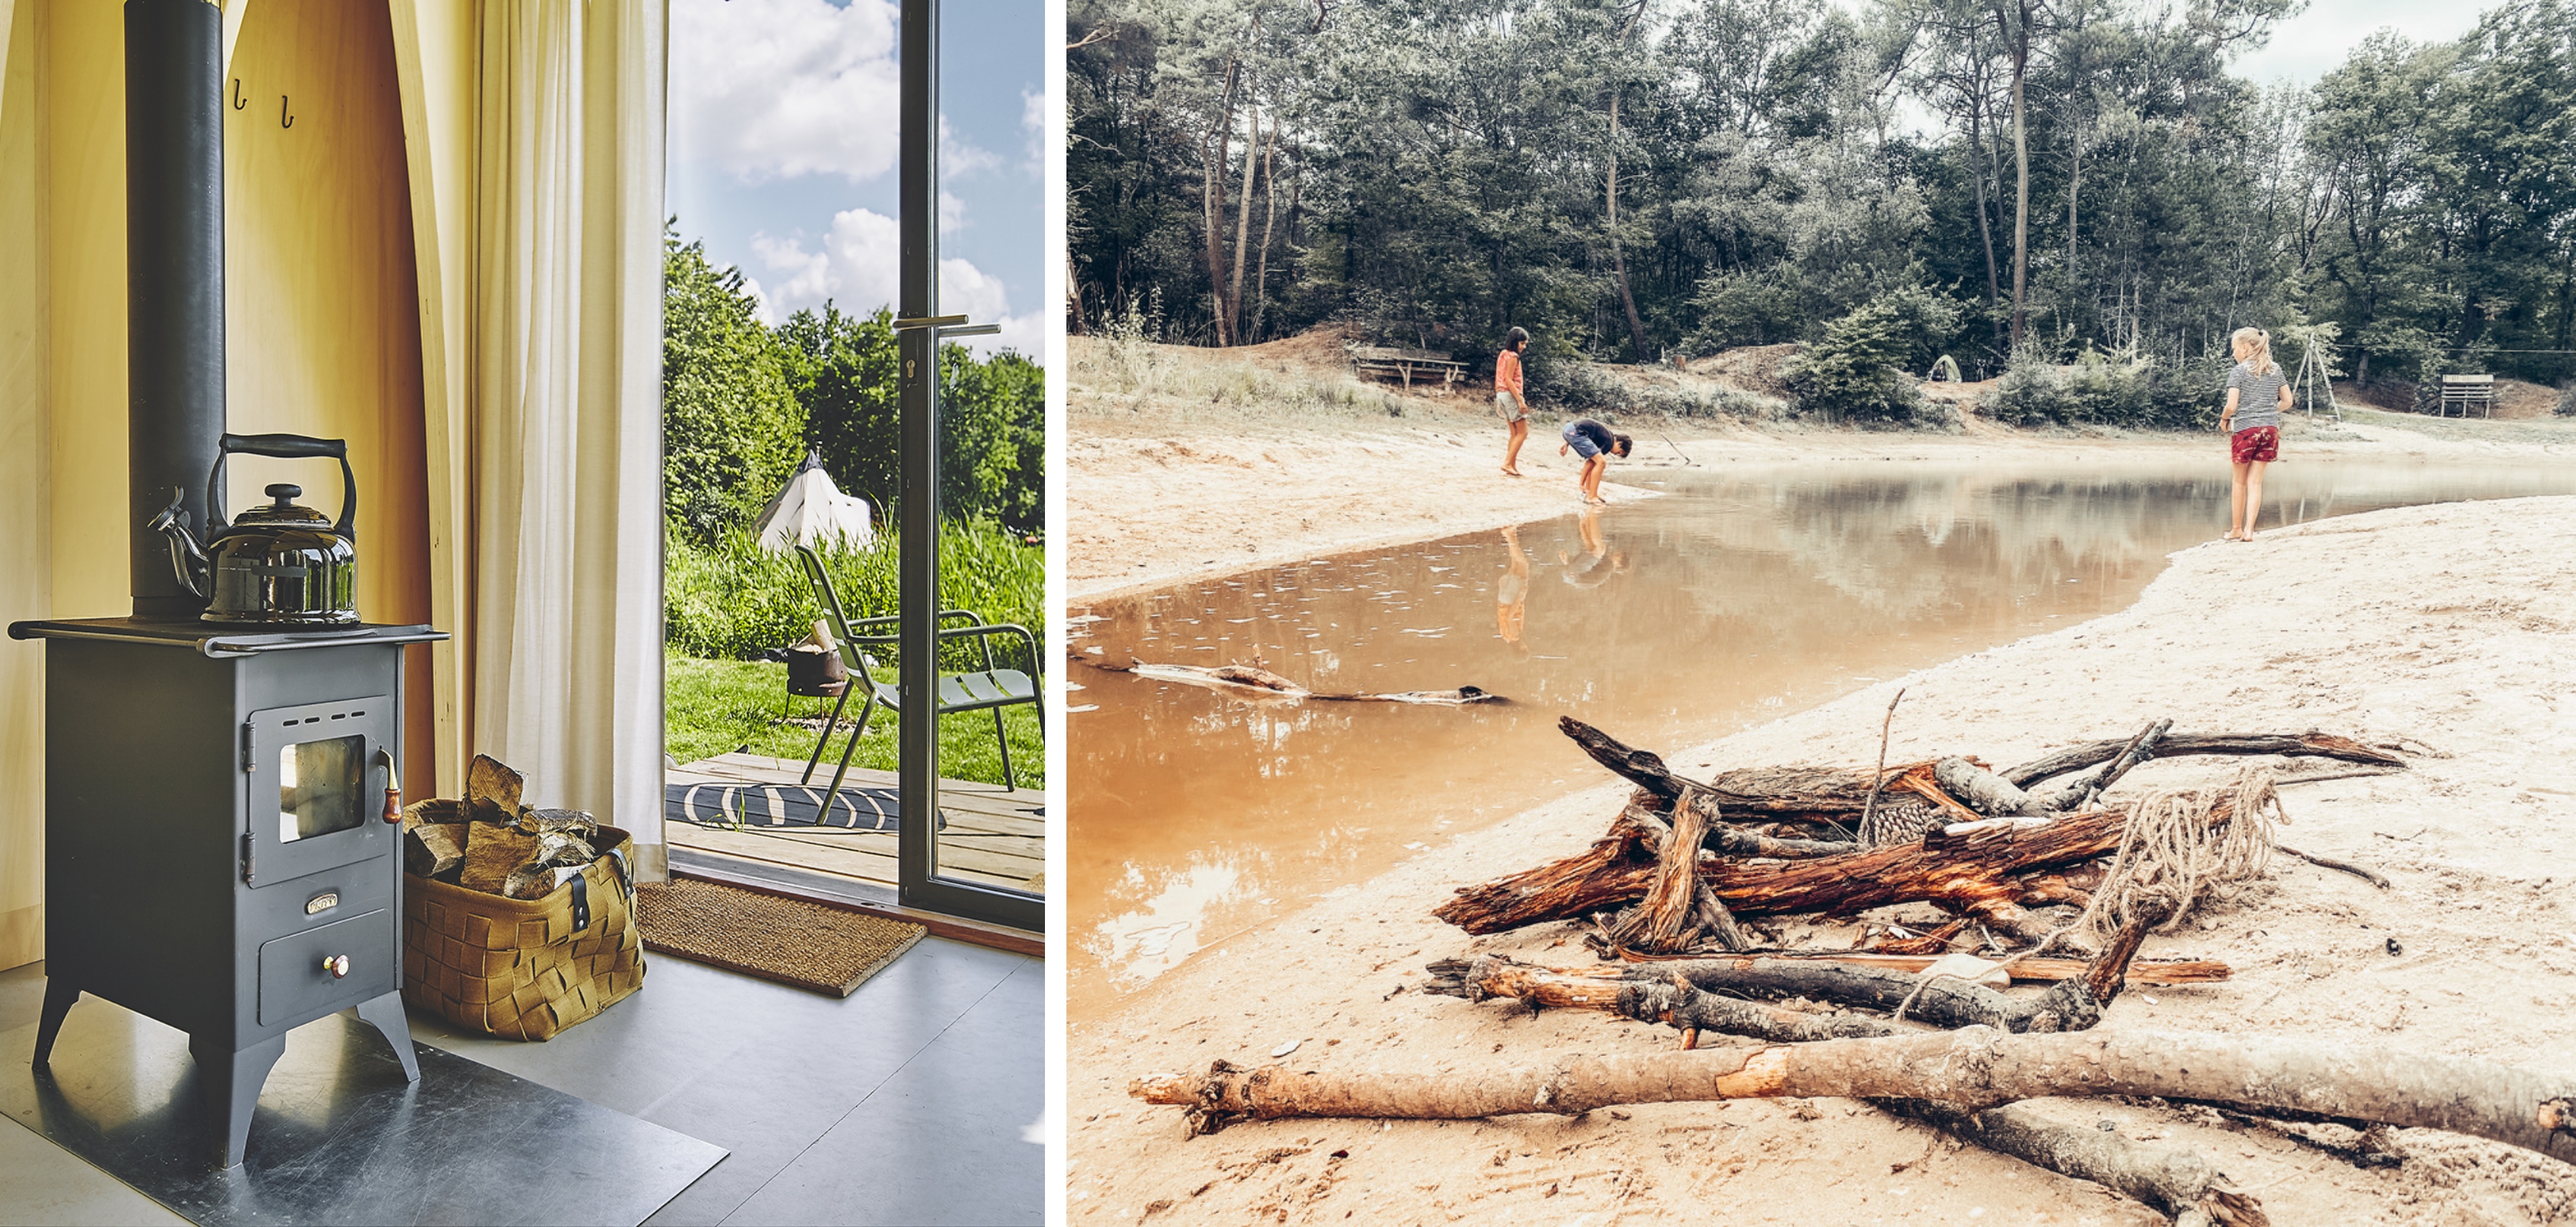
1741,596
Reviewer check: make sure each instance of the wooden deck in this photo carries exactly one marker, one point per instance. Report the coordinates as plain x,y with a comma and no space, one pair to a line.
995,835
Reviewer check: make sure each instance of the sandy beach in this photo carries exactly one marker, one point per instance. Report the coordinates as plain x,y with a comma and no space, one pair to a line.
1181,465
2447,626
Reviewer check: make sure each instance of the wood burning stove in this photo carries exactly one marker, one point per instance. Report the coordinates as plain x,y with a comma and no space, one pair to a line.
221,851
215,856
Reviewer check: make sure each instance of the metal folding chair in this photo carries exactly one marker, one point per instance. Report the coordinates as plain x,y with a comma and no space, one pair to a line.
990,689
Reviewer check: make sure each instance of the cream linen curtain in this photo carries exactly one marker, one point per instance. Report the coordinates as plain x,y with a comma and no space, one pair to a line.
563,634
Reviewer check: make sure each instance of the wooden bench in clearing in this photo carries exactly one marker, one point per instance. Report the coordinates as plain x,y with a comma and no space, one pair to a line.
1404,364
2468,391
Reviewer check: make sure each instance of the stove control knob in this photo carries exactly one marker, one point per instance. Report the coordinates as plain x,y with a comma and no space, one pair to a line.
337,965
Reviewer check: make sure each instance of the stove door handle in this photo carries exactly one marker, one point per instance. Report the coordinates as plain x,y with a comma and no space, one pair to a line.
337,965
393,786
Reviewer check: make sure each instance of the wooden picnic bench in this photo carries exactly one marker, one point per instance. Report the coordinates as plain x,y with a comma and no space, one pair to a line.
2468,391
1382,361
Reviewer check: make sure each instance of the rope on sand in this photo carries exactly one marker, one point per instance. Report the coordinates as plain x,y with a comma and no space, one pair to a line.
2173,854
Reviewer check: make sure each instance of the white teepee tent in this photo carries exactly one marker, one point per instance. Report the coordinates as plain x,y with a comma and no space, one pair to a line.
811,510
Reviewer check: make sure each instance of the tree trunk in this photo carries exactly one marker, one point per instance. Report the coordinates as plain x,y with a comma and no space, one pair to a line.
2017,35
1985,224
1974,1069
1243,223
1618,262
1212,204
2074,183
1269,221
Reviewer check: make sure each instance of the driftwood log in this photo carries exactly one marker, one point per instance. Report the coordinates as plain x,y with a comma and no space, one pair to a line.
2023,970
2177,1182
1695,995
2176,745
1974,1068
1819,793
1974,874
1252,679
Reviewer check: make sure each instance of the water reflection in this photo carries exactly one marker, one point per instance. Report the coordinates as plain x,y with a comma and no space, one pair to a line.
1741,596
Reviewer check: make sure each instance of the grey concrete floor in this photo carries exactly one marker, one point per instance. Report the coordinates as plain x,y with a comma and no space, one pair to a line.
911,1101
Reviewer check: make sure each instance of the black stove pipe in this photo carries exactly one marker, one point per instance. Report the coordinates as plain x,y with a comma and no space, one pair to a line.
174,269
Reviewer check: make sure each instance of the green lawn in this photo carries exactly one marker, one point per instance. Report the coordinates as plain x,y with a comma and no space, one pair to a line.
713,707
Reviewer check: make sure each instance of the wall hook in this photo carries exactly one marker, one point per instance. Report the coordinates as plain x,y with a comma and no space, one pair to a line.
238,102
284,120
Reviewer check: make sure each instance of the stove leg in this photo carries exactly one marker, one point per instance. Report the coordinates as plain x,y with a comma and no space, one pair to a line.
60,996
232,1081
386,1012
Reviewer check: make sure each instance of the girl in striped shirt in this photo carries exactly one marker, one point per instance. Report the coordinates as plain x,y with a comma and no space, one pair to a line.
2257,396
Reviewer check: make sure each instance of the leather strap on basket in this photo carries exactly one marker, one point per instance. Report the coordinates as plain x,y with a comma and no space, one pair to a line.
580,903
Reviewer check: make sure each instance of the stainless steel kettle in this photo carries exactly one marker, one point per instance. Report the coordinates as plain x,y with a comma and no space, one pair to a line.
278,565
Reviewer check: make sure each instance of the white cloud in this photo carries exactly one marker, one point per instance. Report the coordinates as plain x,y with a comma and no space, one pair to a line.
1033,123
981,298
772,88
856,267
957,157
2316,41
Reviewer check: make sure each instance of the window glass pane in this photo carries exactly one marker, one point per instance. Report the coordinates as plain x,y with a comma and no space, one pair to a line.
318,787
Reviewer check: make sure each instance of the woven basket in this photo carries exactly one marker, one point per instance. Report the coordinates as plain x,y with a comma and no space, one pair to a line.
525,969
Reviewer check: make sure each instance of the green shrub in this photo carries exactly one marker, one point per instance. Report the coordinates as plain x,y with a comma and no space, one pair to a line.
992,446
2100,391
732,599
1858,371
1748,308
731,427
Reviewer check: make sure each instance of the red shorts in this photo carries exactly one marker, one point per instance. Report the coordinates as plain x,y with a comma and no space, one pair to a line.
2255,443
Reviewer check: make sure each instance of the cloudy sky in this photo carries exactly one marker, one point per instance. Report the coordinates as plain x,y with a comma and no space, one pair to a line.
783,123
2306,46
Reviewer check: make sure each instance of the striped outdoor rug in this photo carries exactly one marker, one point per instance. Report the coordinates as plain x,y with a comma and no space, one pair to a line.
731,804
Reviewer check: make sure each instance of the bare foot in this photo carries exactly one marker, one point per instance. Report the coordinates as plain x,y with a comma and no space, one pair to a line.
1511,472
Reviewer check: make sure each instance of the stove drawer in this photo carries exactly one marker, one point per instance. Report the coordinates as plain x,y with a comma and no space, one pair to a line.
295,972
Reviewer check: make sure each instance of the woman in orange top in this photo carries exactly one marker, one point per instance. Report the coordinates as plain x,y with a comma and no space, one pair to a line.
1507,399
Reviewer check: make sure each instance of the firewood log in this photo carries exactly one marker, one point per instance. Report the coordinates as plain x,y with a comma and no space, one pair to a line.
430,851
492,790
491,852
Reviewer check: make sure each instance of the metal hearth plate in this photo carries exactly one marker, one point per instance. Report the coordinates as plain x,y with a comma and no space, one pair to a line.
339,1137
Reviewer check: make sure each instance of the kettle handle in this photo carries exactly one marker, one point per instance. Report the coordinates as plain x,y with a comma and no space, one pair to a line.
284,447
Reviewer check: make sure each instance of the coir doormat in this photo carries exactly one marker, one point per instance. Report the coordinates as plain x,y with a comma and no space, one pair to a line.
808,945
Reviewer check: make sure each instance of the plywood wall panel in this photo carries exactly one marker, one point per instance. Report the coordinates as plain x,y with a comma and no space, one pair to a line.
26,547
321,305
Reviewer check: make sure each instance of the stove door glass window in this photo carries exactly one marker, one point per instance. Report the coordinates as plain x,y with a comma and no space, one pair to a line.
319,784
